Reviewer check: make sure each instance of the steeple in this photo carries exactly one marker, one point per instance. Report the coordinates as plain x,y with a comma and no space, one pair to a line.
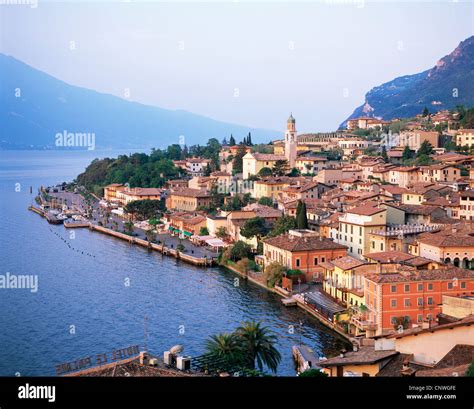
290,141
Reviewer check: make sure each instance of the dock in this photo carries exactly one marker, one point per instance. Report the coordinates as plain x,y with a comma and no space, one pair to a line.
289,302
76,224
305,358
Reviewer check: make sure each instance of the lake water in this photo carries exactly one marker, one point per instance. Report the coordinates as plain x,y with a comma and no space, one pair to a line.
83,305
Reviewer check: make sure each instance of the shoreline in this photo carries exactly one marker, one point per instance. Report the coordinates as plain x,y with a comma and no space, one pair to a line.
205,262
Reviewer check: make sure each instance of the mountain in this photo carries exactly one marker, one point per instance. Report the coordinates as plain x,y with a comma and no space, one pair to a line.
435,88
35,107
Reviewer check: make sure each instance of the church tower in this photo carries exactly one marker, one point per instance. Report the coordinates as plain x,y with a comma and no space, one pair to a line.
290,142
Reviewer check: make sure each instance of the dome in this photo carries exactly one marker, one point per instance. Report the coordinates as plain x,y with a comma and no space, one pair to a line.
291,119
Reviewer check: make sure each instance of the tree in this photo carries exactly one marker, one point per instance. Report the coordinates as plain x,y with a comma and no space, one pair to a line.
221,233
144,209
301,216
265,172
274,273
384,154
203,231
407,153
128,228
225,346
258,346
282,225
240,250
266,201
207,170
470,370
294,173
313,373
425,112
249,139
254,227
425,149
150,235
231,140
281,167
237,164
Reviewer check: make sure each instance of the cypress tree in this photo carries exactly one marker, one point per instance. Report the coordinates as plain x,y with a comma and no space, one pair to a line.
301,217
231,140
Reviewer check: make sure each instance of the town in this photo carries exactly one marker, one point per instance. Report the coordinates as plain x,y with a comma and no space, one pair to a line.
367,228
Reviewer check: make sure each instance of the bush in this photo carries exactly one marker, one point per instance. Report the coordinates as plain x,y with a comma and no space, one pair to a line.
274,273
244,265
470,370
313,373
240,250
294,272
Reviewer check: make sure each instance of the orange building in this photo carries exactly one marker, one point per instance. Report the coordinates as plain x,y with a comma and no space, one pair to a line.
303,250
416,295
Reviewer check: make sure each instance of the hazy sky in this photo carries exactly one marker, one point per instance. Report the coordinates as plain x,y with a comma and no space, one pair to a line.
246,62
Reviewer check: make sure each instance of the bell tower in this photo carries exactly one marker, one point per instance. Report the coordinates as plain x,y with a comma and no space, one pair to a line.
290,141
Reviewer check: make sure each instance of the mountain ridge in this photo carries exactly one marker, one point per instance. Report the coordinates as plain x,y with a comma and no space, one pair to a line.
35,106
450,82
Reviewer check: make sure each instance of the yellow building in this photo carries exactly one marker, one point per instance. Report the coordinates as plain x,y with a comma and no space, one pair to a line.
270,187
255,162
138,193
110,191
344,279
465,137
188,199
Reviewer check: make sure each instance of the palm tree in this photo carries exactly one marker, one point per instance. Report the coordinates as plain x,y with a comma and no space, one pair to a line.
257,343
225,346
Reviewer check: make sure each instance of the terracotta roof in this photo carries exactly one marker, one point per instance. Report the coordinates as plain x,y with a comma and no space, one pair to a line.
188,192
389,256
365,210
295,243
448,273
448,238
415,209
469,320
347,262
365,355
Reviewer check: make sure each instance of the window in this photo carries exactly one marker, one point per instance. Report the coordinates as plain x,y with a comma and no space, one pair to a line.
393,288
393,320
407,302
315,261
419,317
420,301
450,286
430,300
393,303
297,262
323,259
463,284
420,287
407,288
430,287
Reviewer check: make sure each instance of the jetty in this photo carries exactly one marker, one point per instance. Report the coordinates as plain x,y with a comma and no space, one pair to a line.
304,358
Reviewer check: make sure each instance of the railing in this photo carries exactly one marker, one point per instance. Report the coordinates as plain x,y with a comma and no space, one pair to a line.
393,231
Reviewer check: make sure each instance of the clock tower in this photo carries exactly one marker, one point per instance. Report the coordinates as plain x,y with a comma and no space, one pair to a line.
290,142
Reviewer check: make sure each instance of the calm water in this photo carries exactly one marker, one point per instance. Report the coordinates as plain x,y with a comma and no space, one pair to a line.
89,292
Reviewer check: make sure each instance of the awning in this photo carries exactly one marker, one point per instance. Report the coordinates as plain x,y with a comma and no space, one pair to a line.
215,243
188,234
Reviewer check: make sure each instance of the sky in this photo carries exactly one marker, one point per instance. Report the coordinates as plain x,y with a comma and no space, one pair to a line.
245,62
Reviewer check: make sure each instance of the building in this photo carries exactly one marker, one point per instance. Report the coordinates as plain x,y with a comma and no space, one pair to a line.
452,245
255,162
187,199
290,141
343,279
414,139
404,176
356,225
366,123
271,186
128,195
466,205
194,166
110,191
186,224
412,296
465,137
303,250
310,164
438,173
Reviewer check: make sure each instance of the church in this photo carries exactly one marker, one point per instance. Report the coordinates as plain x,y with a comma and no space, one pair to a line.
255,162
